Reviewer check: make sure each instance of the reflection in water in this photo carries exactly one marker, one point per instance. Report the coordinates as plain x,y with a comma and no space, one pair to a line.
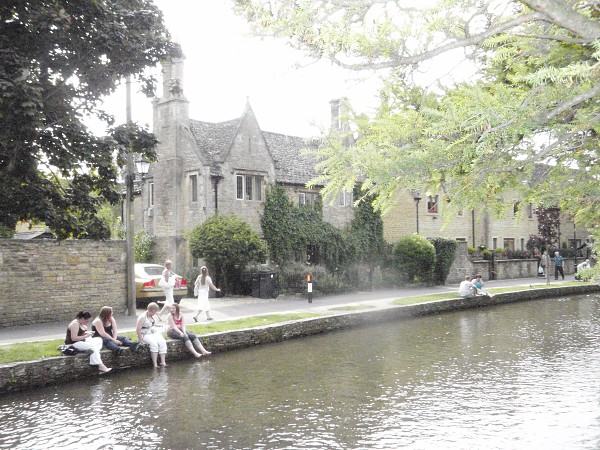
514,376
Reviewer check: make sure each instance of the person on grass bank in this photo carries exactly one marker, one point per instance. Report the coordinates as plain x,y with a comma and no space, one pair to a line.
81,338
177,330
105,326
151,334
201,287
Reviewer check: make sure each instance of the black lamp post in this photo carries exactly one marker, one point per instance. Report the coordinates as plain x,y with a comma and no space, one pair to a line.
417,198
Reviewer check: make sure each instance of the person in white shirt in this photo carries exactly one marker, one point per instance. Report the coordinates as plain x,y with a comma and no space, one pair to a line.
583,265
468,289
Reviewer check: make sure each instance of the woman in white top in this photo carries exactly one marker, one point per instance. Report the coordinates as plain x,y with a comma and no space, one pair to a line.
149,333
201,288
169,278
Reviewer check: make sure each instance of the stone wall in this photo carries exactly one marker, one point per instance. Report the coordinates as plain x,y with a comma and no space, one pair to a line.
48,281
50,371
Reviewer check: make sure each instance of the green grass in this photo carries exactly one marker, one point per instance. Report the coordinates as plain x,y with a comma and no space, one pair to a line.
451,295
29,351
351,307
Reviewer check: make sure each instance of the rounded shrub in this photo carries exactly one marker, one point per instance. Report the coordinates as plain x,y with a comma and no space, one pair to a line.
414,259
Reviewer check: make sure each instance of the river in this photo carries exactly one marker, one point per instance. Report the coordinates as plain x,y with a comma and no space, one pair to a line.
518,376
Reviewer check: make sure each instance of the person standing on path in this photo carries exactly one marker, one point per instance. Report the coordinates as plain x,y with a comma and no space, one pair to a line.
167,286
201,288
559,264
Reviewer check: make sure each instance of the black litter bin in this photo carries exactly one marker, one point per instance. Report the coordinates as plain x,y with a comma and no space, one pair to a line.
264,285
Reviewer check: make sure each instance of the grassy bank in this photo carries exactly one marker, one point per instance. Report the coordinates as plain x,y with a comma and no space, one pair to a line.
29,351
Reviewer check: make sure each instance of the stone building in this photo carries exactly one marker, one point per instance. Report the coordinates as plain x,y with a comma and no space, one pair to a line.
208,168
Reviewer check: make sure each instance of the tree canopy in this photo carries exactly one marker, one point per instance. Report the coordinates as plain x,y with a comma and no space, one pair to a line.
527,122
58,58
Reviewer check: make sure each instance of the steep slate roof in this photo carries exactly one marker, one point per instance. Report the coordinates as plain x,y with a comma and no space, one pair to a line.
214,139
291,166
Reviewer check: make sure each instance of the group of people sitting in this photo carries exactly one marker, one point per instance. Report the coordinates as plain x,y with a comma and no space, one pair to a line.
104,332
472,287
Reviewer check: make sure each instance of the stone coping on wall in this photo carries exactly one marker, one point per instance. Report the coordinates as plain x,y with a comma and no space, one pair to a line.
22,376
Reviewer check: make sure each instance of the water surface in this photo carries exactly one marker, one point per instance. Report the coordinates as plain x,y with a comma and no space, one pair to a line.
521,376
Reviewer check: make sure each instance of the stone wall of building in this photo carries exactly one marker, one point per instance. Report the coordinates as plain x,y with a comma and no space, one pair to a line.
47,280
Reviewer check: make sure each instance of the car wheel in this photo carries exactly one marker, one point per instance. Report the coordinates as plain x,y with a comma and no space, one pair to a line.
177,299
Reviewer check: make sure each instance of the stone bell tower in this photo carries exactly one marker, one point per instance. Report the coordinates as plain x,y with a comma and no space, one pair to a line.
171,127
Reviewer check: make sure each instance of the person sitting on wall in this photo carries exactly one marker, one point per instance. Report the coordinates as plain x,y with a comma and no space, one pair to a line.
150,333
177,330
478,282
467,288
105,326
81,338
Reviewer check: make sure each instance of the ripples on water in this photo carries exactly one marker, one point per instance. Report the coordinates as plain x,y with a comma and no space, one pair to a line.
521,376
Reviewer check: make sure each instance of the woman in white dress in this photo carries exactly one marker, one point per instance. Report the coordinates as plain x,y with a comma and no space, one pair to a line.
201,287
167,288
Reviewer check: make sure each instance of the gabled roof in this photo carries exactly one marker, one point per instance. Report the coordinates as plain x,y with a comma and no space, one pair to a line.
292,166
214,139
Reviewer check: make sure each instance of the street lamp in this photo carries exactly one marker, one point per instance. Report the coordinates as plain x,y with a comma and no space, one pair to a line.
142,165
417,198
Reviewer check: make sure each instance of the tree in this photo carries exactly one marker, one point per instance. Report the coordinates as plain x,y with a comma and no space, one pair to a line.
58,59
228,245
366,230
522,124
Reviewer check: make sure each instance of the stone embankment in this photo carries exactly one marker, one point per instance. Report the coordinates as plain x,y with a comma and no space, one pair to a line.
22,376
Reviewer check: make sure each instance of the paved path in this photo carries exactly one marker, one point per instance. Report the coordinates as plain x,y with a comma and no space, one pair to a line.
234,308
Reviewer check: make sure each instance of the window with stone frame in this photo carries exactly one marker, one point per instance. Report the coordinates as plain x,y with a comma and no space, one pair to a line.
308,198
150,195
508,244
346,199
194,188
433,202
249,187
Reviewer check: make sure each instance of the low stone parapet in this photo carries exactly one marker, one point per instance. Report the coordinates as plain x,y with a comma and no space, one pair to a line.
22,376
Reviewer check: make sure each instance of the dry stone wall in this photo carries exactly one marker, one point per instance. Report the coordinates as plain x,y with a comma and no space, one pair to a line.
48,280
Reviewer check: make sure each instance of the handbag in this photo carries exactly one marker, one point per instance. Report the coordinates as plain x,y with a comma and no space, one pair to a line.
163,282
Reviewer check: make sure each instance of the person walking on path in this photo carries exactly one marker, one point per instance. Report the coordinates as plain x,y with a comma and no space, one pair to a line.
559,264
105,327
177,331
151,334
167,282
201,288
81,338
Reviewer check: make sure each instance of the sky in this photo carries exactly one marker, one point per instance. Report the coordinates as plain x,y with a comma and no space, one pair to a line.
225,66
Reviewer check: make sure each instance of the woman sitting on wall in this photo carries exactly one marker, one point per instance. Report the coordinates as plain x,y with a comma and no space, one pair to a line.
177,331
81,338
105,326
151,334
